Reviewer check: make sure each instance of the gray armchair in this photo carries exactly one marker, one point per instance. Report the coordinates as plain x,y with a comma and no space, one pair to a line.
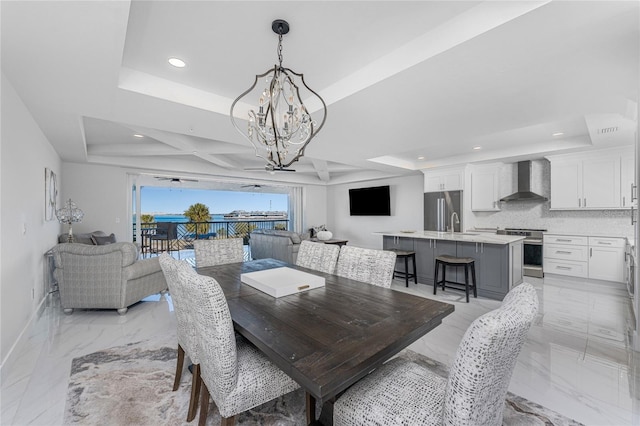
104,277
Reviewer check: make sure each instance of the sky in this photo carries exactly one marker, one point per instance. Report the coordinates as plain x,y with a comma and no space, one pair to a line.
177,200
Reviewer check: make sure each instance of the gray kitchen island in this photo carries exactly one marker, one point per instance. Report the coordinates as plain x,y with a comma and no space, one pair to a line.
498,258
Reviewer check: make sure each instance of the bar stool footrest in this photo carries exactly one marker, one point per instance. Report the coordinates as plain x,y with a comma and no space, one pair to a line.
454,285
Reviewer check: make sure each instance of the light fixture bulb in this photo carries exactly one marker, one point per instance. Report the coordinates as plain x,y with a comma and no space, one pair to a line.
137,135
558,134
178,63
477,148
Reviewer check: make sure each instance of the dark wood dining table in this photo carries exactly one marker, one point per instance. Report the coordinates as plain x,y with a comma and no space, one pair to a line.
326,338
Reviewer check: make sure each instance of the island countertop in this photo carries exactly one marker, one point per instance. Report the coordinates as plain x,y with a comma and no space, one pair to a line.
469,237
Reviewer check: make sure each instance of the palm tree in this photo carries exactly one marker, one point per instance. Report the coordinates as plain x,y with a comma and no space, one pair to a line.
147,218
198,212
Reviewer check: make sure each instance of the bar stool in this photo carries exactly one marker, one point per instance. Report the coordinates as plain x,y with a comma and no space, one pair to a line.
406,254
466,262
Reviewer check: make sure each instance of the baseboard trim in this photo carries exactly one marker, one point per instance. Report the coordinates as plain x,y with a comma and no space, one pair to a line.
8,360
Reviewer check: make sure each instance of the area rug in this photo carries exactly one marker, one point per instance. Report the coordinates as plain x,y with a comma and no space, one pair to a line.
131,385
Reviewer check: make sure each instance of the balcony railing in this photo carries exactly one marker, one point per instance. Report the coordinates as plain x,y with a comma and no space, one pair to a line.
179,236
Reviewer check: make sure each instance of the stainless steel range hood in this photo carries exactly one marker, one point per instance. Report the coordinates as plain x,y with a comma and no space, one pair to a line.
524,185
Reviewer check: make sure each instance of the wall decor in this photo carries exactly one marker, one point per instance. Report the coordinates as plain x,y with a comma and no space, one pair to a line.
50,194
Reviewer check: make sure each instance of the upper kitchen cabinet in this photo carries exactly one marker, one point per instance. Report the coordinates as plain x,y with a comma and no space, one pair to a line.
601,183
485,187
627,182
444,179
566,184
591,180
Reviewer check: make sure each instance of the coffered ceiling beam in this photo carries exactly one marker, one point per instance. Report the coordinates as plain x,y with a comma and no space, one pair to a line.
321,169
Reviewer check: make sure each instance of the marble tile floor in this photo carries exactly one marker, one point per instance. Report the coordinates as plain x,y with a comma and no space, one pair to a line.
575,361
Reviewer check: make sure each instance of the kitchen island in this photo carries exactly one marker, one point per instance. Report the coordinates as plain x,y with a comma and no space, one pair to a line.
498,258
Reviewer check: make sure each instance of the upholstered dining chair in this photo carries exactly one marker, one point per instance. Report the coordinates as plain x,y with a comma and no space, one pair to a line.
402,392
233,372
218,252
187,341
318,256
367,265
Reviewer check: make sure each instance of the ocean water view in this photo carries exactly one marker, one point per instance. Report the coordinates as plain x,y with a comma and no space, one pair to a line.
180,218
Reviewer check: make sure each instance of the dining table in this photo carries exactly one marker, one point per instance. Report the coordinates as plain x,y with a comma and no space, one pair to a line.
329,337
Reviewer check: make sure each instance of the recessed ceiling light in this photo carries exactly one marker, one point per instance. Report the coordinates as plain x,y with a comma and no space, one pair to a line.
137,135
477,147
421,158
558,134
178,63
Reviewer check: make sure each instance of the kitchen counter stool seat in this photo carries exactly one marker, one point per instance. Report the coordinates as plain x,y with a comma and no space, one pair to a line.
406,254
452,261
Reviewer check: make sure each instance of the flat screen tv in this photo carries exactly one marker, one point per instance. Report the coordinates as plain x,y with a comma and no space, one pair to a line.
372,201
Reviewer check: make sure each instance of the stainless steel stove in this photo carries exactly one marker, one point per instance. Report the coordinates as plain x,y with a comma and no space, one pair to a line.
532,249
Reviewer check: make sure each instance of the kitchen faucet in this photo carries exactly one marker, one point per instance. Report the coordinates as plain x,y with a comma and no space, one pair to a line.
457,220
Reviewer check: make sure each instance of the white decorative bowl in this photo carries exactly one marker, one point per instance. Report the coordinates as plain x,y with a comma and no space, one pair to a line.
324,235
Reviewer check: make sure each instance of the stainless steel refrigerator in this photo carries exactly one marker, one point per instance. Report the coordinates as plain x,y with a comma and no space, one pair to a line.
438,209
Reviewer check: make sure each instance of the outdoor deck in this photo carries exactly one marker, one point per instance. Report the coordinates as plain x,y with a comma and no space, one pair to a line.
176,238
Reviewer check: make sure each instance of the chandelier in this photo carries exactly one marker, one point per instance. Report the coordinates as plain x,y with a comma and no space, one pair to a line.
279,124
69,214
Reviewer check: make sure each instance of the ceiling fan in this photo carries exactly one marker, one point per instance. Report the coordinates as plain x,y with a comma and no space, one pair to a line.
268,168
255,185
174,179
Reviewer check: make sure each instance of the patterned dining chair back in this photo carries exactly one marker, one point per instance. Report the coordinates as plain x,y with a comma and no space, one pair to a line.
214,328
186,332
181,303
407,393
318,256
367,265
484,362
236,374
218,252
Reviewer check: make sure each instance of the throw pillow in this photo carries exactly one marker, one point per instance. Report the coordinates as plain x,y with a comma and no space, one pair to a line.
102,241
295,238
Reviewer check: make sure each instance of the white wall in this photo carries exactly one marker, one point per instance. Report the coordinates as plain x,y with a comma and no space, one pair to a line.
24,234
101,192
406,211
314,206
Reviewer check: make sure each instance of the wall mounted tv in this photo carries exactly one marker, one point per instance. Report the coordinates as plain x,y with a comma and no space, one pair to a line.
372,201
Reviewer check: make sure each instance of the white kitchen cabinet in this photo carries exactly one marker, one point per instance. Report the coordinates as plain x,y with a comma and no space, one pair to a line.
593,180
606,259
566,267
445,179
485,188
566,255
571,253
600,258
566,184
601,182
627,181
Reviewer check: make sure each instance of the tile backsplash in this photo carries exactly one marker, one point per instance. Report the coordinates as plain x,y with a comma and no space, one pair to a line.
536,215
